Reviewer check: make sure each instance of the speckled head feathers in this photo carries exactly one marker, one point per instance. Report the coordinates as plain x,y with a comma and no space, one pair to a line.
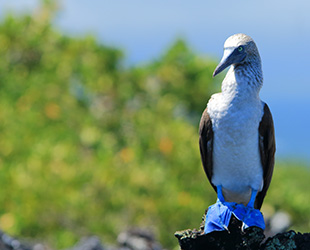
241,39
237,39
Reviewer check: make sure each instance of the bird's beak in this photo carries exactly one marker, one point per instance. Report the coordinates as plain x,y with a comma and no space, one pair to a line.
231,56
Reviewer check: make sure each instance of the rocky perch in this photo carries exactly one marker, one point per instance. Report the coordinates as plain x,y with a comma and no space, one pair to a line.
252,238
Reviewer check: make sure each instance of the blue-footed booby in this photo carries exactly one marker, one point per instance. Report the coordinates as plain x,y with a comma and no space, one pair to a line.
236,133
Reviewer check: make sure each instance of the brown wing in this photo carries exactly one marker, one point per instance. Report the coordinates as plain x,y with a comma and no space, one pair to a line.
206,145
267,147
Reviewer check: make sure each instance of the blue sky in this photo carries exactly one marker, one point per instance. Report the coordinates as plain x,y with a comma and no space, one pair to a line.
144,29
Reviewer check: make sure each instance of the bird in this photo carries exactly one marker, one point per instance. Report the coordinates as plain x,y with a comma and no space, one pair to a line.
236,130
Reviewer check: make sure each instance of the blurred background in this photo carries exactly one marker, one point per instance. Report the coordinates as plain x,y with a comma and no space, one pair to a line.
100,105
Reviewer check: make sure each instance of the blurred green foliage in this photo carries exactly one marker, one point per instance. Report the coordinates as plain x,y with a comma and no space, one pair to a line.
91,147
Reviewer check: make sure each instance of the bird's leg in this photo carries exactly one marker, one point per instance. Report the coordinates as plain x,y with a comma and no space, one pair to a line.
253,217
252,199
219,193
250,205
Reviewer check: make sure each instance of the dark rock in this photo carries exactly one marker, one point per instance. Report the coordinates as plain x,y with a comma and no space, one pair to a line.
302,241
285,241
235,238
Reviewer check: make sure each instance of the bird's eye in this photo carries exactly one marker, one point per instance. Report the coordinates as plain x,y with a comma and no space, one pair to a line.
240,48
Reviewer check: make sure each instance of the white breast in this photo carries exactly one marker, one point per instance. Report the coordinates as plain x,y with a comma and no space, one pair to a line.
236,158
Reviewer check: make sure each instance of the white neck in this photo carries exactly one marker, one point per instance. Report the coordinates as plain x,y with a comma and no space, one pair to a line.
241,84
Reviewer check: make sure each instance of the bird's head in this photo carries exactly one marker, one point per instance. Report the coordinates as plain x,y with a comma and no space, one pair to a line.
238,49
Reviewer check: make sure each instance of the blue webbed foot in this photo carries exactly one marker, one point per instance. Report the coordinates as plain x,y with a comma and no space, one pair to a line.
219,214
249,216
217,217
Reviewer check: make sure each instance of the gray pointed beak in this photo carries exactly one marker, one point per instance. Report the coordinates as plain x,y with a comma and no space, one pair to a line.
230,56
224,63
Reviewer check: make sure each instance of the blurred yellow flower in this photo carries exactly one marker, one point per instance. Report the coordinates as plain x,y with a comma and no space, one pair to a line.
127,155
52,111
165,145
7,221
